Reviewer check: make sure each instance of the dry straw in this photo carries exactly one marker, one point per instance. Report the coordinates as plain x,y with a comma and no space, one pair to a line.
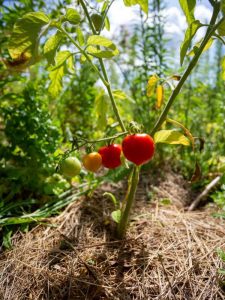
168,254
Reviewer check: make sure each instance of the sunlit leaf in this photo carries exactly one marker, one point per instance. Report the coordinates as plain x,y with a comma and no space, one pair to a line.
223,67
187,132
62,56
176,77
143,4
116,215
172,137
107,23
221,29
101,109
122,96
26,35
73,16
222,4
151,85
188,7
80,36
189,34
51,47
159,96
57,72
197,45
96,40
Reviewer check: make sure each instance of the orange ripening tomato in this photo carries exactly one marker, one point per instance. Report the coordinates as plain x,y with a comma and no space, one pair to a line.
92,161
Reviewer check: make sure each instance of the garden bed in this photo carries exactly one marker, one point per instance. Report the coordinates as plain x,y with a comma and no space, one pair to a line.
168,253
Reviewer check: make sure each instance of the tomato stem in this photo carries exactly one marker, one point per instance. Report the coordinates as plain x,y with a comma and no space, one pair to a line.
190,67
128,202
105,76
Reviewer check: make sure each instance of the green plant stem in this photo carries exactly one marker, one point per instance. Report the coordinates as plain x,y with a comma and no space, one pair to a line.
190,67
88,16
108,86
109,90
85,54
103,139
122,225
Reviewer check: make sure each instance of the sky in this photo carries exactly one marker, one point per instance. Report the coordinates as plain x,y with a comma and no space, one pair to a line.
175,19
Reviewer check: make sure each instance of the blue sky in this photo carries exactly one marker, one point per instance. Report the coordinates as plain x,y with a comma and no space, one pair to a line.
175,19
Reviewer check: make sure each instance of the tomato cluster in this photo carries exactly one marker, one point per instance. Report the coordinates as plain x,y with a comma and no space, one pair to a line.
137,148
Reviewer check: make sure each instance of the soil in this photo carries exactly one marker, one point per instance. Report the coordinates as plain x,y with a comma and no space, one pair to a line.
168,253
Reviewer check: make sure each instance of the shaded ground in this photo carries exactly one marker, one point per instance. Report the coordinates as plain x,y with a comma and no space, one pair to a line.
168,253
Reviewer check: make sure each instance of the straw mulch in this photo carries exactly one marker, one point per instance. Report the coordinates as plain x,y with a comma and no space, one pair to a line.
168,253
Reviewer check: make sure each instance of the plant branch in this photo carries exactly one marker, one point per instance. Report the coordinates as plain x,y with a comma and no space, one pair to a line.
108,86
85,54
219,38
189,69
121,229
104,139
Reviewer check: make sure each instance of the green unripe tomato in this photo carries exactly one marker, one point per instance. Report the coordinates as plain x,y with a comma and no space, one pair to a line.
71,166
97,21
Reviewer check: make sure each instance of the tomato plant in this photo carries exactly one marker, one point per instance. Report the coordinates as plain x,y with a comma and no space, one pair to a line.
94,50
111,156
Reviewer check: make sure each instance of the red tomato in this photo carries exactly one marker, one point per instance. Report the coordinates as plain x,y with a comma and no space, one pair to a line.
111,156
138,148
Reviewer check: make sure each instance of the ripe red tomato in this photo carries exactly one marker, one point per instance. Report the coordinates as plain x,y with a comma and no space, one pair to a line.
138,148
111,156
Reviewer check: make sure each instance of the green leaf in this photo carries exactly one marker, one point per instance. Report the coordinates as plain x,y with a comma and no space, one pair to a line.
107,24
57,72
96,40
26,35
73,16
186,131
122,96
62,56
143,4
221,271
197,45
221,253
51,47
165,201
101,109
222,6
112,197
80,36
189,34
221,29
223,67
171,137
116,215
188,7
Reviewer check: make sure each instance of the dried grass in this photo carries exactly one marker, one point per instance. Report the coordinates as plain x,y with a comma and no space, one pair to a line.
168,254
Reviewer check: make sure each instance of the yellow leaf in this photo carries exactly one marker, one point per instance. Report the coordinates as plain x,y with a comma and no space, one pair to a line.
187,132
171,137
159,96
151,85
